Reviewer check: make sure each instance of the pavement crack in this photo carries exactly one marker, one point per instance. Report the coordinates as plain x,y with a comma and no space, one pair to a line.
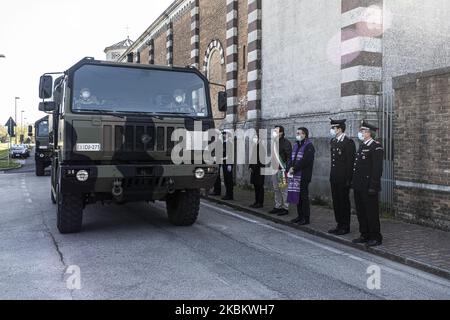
58,251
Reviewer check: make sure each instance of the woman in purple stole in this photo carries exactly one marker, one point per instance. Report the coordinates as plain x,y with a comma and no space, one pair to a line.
300,169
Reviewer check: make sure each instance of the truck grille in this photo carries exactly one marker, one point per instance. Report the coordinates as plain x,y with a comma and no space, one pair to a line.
137,138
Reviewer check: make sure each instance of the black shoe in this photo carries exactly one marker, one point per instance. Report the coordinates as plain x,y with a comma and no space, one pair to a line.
333,231
258,206
228,198
283,212
214,194
342,232
275,211
360,240
373,243
296,220
303,222
252,205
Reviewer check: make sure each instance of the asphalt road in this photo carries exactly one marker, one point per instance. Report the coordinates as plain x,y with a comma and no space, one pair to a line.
132,252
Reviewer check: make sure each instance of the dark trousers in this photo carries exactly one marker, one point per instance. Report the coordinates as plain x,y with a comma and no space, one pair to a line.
259,193
228,180
341,204
303,208
368,210
218,185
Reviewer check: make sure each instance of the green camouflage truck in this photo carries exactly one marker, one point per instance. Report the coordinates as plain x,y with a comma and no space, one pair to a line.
43,151
111,134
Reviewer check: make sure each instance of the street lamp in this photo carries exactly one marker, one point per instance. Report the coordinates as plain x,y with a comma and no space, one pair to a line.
15,112
21,123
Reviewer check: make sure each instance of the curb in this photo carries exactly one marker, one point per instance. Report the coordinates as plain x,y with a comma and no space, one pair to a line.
379,252
9,169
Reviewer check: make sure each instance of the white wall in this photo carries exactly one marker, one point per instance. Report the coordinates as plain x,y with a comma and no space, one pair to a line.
301,57
416,37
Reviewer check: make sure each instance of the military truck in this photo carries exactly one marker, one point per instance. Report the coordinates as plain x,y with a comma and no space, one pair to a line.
111,130
43,153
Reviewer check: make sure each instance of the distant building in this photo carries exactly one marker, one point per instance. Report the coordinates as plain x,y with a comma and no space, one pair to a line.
114,52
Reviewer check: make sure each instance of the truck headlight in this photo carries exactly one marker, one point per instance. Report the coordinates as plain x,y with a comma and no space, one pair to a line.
199,173
82,175
41,155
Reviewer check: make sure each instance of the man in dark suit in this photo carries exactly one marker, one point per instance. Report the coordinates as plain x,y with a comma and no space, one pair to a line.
366,184
343,151
256,178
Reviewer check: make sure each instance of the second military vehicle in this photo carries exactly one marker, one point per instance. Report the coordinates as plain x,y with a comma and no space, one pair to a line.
111,129
42,151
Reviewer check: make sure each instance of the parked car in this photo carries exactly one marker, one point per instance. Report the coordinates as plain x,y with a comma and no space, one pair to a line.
19,151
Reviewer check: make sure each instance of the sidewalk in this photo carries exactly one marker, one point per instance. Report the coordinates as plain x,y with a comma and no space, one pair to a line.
417,246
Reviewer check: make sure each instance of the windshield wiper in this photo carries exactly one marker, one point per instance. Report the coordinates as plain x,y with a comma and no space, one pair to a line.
141,113
105,112
186,114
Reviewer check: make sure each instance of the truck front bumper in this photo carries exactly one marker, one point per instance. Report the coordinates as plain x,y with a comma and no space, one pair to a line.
146,182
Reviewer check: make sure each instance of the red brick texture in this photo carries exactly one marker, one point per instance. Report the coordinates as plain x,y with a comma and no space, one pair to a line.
422,147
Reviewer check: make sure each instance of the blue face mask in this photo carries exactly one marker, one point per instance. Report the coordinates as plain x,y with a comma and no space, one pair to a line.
333,133
361,136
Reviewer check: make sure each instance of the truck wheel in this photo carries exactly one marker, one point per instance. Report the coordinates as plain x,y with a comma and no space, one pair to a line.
52,197
69,211
40,169
183,207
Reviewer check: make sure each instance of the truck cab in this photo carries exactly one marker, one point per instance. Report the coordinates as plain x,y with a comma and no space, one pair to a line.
112,126
43,152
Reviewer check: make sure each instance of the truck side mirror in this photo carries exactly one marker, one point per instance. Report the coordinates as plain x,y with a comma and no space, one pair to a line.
30,131
222,101
45,87
48,106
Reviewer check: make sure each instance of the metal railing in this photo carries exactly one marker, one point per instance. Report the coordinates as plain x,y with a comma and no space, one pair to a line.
386,105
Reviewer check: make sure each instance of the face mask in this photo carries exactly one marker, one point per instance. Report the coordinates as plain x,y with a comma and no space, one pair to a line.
275,134
333,133
86,94
300,138
361,136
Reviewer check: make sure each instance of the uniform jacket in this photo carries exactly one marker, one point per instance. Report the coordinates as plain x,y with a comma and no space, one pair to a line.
285,150
255,176
368,167
343,151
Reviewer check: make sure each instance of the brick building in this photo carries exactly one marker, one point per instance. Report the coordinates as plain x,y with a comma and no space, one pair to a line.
300,62
422,155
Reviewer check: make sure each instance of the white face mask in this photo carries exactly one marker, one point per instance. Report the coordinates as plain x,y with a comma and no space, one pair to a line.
85,94
361,136
275,134
333,133
300,138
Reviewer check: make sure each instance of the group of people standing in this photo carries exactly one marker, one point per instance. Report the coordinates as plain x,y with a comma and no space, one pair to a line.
360,170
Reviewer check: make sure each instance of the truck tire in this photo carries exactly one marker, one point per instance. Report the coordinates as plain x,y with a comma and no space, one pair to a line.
183,207
69,211
40,169
52,197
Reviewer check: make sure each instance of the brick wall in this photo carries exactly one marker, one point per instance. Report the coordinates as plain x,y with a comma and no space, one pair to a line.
213,14
160,49
242,60
182,40
422,144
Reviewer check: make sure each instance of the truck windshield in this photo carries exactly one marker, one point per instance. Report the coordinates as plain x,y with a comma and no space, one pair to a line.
42,129
133,90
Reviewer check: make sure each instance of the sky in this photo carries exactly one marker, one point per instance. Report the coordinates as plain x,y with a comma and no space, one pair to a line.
39,36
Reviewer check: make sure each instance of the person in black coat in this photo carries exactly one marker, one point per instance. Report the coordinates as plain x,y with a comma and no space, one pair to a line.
343,151
366,184
305,166
256,178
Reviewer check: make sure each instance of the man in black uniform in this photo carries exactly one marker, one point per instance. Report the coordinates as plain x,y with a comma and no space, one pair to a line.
366,184
227,170
227,167
343,151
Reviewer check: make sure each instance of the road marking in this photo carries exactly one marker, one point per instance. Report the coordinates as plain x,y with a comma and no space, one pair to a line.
422,275
30,201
